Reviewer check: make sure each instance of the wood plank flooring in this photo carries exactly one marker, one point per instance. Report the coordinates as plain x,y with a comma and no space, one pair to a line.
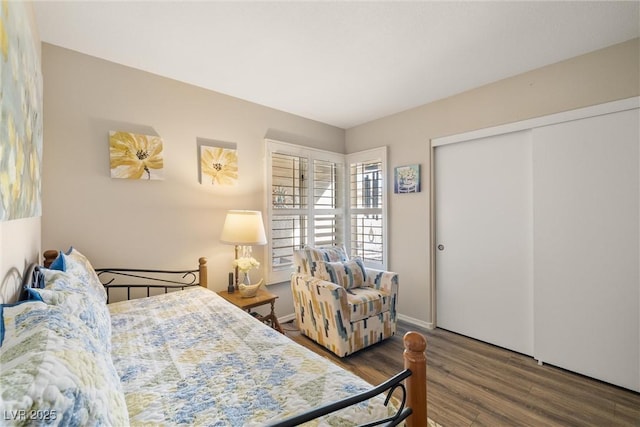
471,383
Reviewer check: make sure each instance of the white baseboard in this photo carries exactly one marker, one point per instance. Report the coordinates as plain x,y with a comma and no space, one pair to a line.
416,322
287,318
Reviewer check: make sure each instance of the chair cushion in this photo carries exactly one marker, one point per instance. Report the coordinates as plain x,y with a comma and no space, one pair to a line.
306,259
367,302
348,274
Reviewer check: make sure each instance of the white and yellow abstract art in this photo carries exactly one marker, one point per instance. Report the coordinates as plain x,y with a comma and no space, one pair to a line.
20,115
218,165
135,156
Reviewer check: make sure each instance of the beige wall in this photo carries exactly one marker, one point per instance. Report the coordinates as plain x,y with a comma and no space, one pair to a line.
605,75
19,238
171,223
152,224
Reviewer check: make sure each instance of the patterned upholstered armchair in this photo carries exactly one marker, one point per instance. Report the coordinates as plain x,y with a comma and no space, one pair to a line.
341,304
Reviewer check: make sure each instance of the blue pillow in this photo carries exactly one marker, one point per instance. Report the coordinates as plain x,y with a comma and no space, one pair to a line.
33,295
59,263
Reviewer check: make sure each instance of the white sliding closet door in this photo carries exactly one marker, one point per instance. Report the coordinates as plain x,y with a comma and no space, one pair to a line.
483,215
586,246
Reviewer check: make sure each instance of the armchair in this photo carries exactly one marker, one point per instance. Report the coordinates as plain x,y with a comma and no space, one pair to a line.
341,304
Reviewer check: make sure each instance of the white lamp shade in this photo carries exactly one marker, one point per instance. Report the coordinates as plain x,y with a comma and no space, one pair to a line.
243,228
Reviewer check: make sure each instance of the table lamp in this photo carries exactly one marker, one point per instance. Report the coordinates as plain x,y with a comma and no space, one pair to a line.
243,228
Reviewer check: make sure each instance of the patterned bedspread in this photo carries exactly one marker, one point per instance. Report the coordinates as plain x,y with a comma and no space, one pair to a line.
191,358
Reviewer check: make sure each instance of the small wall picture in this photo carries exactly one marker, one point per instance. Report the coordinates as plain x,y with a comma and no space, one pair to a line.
407,179
218,163
135,156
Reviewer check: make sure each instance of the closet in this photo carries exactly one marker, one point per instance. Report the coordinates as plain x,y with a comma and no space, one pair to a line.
537,238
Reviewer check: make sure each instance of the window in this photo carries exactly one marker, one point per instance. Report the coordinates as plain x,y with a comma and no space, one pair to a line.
308,204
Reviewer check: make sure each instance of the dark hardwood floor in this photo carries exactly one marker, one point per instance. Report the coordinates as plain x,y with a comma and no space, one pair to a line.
471,383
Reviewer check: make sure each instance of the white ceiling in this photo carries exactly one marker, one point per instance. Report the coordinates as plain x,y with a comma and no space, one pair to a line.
341,63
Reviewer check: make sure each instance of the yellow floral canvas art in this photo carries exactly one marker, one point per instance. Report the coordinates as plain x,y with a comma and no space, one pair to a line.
218,165
135,156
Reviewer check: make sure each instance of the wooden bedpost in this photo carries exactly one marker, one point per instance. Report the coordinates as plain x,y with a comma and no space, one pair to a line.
415,360
49,256
204,282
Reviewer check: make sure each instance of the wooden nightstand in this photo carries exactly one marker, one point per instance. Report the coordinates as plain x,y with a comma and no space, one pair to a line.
262,297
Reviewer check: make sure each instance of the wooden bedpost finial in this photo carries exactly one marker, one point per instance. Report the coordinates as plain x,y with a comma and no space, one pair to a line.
203,272
49,256
414,342
415,360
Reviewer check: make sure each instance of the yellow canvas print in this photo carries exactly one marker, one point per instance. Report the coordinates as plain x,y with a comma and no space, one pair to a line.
218,165
20,115
135,156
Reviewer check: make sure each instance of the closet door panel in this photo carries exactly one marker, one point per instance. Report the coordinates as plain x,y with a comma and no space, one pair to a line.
483,220
586,246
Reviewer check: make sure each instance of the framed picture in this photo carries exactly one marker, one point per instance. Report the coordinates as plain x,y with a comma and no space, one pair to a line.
406,179
136,156
217,163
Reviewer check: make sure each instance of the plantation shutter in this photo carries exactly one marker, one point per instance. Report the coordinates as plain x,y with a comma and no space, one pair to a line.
327,208
306,206
289,208
367,207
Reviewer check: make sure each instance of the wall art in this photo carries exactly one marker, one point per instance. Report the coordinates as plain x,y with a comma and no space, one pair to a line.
136,156
20,115
407,179
217,163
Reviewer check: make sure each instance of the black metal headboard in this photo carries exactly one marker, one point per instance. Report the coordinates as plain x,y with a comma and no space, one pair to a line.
32,278
116,277
132,278
138,278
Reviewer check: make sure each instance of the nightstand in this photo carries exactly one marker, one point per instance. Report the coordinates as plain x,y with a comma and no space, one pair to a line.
262,298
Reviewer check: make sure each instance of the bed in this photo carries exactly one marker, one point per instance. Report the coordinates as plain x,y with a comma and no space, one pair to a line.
176,354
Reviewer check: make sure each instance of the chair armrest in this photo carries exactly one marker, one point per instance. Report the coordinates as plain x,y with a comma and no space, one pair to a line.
382,280
318,290
320,306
